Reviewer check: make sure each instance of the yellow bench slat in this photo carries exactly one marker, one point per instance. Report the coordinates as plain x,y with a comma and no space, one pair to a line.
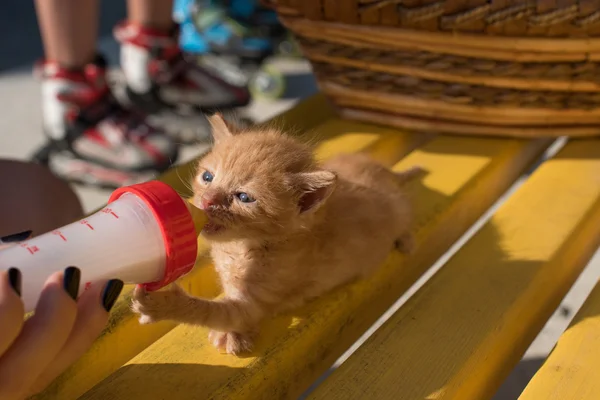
124,338
465,176
571,370
460,335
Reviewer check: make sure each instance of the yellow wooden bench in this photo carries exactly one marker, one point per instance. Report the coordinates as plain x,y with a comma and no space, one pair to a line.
458,337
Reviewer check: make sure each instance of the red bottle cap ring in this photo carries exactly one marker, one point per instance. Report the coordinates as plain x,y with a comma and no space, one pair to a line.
176,225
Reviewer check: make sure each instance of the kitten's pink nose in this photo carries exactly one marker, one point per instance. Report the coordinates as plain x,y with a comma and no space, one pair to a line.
208,203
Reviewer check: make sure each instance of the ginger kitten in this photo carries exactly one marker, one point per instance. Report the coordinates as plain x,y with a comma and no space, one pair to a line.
283,230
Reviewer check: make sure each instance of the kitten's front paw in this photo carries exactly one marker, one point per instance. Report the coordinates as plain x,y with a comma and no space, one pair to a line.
231,342
157,306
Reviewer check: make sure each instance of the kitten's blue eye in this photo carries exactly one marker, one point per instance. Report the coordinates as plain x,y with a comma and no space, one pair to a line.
245,197
207,176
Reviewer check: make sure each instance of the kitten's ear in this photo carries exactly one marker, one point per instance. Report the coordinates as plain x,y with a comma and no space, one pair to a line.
316,187
220,130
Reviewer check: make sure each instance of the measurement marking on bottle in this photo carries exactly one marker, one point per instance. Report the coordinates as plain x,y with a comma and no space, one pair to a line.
86,223
111,212
87,286
60,235
31,249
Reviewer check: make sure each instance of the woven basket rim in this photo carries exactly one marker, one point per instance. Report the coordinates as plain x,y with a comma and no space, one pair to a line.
415,37
526,18
422,72
458,128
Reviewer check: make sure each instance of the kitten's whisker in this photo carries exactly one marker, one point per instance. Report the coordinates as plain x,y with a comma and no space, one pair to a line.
264,223
186,182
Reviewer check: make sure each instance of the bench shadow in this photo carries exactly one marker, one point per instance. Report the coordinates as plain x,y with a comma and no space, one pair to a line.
565,370
518,379
168,381
430,380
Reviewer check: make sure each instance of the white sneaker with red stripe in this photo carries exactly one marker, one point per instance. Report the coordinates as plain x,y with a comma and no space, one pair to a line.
170,86
93,139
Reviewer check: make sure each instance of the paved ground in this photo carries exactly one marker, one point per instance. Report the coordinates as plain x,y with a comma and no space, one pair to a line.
20,136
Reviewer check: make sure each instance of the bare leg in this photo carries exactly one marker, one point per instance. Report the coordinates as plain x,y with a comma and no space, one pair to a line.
155,14
69,30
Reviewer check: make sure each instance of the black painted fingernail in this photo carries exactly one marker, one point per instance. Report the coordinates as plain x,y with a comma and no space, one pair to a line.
16,237
71,281
14,279
111,293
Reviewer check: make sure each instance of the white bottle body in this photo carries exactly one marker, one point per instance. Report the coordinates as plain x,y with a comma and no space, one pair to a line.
121,241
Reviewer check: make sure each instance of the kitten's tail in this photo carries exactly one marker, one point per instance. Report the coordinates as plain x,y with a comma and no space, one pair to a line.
408,175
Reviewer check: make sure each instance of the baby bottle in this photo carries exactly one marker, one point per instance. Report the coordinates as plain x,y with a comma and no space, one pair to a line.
146,234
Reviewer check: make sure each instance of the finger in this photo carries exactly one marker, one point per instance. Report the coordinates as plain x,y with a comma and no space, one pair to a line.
11,307
43,335
92,315
9,240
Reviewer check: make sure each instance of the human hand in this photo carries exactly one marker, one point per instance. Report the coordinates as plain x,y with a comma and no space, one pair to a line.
35,351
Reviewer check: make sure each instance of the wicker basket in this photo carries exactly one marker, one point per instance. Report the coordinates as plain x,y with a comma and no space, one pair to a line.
500,67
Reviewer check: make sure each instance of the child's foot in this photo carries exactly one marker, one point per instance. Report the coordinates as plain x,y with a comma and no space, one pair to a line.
162,81
93,139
